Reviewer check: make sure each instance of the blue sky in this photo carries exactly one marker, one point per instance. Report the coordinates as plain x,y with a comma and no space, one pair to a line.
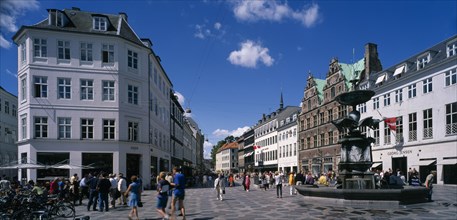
230,60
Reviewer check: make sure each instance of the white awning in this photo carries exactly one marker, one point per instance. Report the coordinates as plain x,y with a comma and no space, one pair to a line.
448,162
424,162
380,79
248,154
399,70
376,165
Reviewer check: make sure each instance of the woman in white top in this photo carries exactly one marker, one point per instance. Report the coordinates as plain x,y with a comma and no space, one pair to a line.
219,186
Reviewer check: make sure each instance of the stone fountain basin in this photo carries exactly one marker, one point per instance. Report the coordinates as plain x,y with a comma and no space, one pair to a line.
407,195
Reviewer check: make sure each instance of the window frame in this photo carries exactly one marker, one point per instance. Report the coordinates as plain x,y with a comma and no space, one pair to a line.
40,86
132,59
64,89
40,48
64,128
109,129
87,89
100,23
427,85
87,128
86,52
412,91
450,77
108,90
41,127
63,50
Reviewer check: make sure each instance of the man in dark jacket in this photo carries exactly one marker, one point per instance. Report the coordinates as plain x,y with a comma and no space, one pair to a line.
93,193
103,187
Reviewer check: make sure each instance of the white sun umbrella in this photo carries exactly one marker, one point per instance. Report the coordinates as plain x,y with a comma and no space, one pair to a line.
70,167
24,166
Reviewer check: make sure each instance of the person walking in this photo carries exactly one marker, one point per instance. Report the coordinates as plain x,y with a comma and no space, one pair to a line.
247,182
169,178
429,184
122,187
93,193
278,183
163,187
219,186
292,183
103,188
134,190
113,192
83,188
179,185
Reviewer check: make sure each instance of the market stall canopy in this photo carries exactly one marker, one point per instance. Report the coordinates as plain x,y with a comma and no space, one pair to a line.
23,166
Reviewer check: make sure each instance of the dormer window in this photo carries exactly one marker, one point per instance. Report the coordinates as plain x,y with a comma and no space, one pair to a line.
56,18
451,49
400,70
380,79
422,61
100,23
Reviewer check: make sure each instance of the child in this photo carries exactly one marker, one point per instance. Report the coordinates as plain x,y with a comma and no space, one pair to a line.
163,187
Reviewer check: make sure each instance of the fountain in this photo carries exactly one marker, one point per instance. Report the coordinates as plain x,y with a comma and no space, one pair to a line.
358,183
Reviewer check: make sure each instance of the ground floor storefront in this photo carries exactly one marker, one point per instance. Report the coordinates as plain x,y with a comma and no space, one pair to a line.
441,157
115,157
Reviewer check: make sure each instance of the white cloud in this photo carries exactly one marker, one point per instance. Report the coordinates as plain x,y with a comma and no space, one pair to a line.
202,31
207,147
217,25
181,98
4,43
299,48
272,10
225,133
11,73
9,11
250,54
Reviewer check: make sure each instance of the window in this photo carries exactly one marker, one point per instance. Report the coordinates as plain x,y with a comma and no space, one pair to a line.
412,91
133,131
362,108
322,139
108,90
14,110
56,18
386,134
376,136
451,49
23,52
376,103
87,128
422,61
451,118
23,89
107,53
321,118
399,130
40,48
100,23
398,95
315,120
427,85
41,127
332,92
451,77
63,49
308,123
387,99
330,114
308,142
132,94
41,86
64,85
330,137
412,126
64,128
23,127
309,104
315,141
132,59
108,129
428,123
7,107
87,89
86,52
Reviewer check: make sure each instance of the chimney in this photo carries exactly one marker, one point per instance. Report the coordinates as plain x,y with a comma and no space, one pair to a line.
372,62
124,16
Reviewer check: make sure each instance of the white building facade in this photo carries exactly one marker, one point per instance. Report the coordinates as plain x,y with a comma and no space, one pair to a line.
287,143
8,131
91,92
420,93
227,158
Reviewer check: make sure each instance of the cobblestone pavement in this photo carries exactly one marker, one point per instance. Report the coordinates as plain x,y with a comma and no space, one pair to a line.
201,204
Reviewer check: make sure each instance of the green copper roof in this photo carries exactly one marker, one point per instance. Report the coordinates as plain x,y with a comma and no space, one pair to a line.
320,83
352,71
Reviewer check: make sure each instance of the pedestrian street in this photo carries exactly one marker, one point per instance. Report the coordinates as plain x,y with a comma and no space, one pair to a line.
201,203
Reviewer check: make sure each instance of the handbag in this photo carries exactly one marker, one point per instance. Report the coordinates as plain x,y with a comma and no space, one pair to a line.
140,204
223,191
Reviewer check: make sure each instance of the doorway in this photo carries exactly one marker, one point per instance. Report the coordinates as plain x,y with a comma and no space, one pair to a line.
399,163
133,165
